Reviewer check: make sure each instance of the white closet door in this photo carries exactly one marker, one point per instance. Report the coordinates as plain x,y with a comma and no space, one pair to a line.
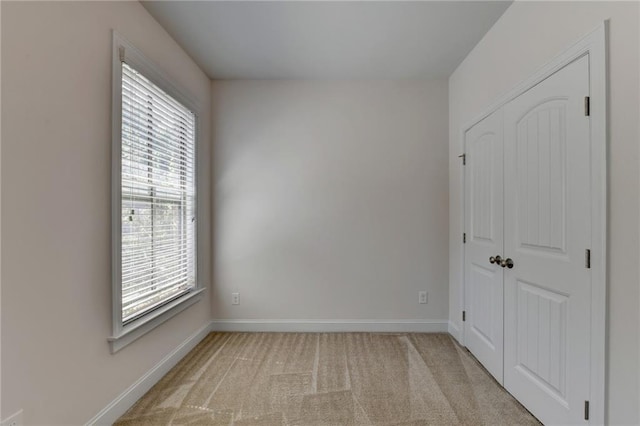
547,230
484,234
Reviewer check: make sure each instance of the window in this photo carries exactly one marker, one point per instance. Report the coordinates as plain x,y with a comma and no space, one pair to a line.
154,155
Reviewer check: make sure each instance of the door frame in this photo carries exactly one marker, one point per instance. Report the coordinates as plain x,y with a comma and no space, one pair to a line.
594,44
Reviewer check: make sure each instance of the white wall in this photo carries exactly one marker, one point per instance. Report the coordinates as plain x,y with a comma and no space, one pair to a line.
56,141
332,199
526,37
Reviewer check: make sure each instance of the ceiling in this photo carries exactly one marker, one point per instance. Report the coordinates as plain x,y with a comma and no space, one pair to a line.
327,40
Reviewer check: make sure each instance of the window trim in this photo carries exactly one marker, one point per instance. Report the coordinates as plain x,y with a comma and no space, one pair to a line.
123,334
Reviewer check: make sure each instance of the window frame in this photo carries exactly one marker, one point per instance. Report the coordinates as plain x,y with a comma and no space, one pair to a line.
125,333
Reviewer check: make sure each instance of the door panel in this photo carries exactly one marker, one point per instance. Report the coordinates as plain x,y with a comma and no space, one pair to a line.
547,230
541,180
483,301
483,223
541,334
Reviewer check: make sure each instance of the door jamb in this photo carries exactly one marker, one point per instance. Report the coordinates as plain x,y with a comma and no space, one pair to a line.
594,44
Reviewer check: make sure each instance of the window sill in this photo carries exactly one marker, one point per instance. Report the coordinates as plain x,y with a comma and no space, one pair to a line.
147,323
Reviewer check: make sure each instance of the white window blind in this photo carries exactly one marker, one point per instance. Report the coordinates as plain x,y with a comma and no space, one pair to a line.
158,191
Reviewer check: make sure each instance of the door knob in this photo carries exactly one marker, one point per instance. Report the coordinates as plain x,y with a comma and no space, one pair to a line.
497,259
507,263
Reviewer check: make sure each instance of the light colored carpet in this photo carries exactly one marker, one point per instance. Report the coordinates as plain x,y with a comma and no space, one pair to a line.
308,379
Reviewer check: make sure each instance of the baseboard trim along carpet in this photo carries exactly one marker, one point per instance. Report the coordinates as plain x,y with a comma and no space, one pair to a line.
331,326
455,331
126,399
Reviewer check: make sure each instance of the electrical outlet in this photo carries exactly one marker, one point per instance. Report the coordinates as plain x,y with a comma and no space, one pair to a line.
235,298
422,297
14,420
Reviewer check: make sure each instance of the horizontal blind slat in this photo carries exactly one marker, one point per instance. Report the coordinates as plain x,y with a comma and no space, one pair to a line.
155,287
131,75
154,253
140,148
142,85
155,127
141,277
157,246
142,105
130,262
137,182
139,151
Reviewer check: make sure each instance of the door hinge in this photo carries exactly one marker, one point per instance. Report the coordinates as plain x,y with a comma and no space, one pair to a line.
586,410
121,53
464,159
464,238
587,259
464,316
587,106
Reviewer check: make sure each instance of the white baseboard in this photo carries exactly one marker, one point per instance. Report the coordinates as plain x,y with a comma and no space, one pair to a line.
455,331
329,326
126,399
